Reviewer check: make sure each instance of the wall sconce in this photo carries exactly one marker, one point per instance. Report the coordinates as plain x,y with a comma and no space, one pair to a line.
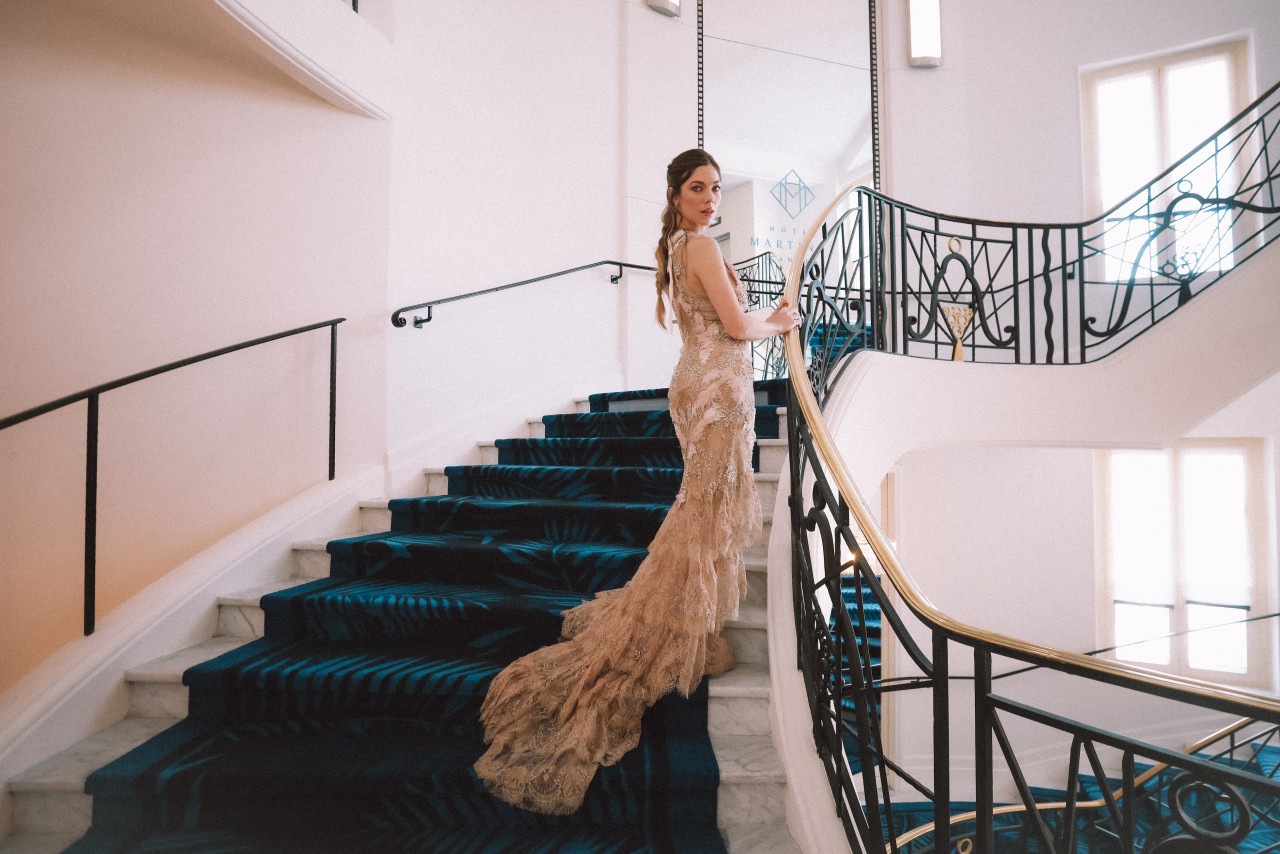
926,33
666,7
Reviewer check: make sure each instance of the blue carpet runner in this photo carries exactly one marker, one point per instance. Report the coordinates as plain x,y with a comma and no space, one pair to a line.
352,724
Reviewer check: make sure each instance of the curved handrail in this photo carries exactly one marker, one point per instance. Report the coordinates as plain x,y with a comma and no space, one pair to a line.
398,321
1223,698
858,296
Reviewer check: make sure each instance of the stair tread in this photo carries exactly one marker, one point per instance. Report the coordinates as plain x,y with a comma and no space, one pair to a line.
370,681
66,771
745,680
747,759
515,468
395,592
759,839
169,668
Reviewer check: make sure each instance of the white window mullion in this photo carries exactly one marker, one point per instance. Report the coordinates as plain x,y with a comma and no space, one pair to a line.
1178,623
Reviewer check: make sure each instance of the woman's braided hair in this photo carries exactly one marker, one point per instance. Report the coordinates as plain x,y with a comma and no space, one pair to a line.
678,171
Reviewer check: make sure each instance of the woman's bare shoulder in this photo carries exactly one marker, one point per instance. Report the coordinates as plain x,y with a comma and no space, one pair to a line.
702,250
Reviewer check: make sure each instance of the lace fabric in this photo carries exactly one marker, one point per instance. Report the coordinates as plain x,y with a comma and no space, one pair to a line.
554,716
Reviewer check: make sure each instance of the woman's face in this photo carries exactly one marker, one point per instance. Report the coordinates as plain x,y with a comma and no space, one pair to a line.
699,198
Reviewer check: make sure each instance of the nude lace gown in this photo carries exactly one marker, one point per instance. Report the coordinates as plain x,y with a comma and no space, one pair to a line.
555,715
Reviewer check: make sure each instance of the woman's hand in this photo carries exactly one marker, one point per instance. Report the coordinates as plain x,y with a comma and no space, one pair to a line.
784,318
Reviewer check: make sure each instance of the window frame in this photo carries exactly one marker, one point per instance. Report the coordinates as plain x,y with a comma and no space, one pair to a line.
1259,672
1237,49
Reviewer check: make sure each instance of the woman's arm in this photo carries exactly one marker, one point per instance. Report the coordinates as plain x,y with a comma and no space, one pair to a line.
705,266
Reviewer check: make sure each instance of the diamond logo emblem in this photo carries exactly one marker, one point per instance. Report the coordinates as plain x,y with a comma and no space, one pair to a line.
792,193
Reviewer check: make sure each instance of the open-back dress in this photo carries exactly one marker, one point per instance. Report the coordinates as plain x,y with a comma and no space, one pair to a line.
555,715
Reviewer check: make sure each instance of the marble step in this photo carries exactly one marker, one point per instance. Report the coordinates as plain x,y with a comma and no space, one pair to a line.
156,689
738,701
537,428
583,404
748,635
766,484
375,517
773,838
773,454
50,807
240,613
753,782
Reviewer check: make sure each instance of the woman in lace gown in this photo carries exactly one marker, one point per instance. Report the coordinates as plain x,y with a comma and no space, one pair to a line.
555,715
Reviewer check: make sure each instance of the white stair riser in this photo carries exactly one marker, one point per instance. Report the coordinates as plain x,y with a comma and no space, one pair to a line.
374,520
760,549
738,716
757,583
768,490
157,699
51,812
751,803
750,645
241,621
773,459
310,563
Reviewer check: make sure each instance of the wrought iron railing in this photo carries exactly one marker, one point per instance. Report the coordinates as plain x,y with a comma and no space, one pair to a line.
91,397
873,272
765,279
1051,294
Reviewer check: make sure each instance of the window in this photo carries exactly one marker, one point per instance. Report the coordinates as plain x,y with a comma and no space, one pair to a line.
1142,117
1181,557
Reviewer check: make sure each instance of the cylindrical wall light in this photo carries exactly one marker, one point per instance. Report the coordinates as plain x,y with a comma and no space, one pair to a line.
666,7
926,33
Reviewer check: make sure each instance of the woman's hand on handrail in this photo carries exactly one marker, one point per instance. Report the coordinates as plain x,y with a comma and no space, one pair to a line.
706,268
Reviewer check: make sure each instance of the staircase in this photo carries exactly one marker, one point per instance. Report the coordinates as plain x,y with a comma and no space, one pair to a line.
335,711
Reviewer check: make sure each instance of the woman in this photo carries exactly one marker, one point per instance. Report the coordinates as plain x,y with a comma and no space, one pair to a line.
552,717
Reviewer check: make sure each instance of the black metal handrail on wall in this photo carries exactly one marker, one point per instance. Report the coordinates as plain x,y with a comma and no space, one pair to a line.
398,321
873,272
762,275
91,397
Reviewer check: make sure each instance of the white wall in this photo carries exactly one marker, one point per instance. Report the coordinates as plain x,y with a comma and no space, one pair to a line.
167,192
526,141
1001,527
995,131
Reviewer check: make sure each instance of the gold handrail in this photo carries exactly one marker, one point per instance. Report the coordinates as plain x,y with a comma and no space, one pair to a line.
911,595
1116,794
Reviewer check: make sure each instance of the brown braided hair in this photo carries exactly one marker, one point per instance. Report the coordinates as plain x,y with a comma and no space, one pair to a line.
678,171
